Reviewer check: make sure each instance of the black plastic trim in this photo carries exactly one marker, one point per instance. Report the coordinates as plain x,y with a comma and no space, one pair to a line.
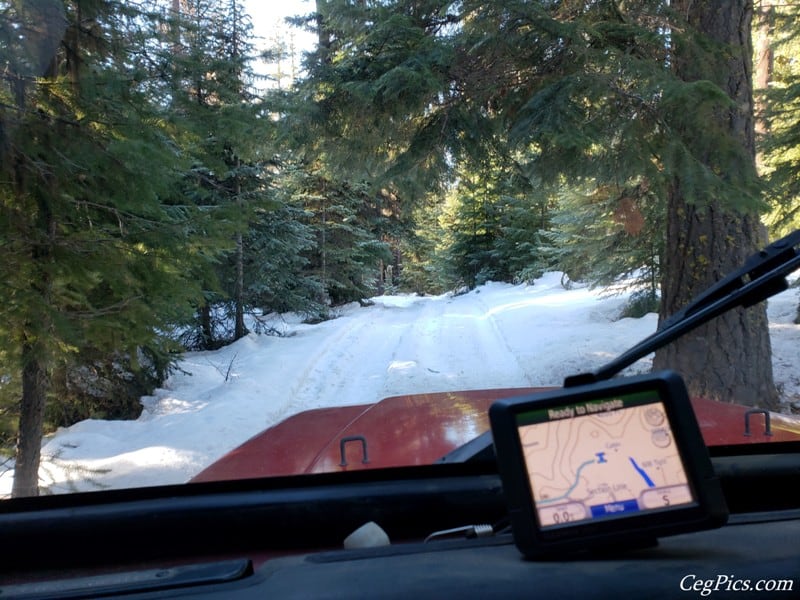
309,512
130,582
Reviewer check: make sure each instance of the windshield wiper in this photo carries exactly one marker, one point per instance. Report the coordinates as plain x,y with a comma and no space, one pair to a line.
762,275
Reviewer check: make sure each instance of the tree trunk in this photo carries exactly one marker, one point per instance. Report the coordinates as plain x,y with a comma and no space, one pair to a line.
764,60
730,358
323,35
240,330
206,326
31,424
36,337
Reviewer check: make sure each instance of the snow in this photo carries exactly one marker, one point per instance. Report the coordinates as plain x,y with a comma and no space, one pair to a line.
498,335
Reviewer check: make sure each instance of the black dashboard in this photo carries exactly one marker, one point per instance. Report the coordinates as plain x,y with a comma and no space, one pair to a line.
495,569
283,539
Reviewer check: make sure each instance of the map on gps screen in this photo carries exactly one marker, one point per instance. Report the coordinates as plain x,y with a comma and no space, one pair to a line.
602,458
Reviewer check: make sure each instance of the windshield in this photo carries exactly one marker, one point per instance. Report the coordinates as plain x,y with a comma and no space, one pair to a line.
236,245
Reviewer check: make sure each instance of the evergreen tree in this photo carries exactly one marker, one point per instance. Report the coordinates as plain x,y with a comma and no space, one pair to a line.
424,252
729,358
377,70
526,219
780,117
277,278
227,133
606,234
492,223
473,230
600,95
348,251
93,241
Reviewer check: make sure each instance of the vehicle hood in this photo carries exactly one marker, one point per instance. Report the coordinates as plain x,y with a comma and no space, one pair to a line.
420,429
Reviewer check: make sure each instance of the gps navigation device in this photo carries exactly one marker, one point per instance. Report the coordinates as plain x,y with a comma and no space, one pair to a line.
612,464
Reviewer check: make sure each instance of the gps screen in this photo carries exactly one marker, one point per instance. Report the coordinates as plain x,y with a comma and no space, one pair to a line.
602,458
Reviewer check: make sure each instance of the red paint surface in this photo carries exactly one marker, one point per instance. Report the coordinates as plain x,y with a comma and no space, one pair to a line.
723,424
419,429
288,448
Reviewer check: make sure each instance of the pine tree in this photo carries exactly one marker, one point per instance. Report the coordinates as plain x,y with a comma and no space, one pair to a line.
780,117
492,223
348,249
278,245
378,67
227,133
590,96
93,240
729,358
425,268
473,231
607,234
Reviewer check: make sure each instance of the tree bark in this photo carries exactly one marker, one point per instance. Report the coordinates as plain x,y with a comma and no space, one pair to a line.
50,27
323,35
36,337
764,60
730,358
206,326
31,424
240,330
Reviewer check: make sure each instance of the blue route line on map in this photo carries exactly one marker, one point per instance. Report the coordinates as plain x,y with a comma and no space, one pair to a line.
642,472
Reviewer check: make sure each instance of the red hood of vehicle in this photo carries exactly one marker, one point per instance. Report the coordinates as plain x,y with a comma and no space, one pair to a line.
419,429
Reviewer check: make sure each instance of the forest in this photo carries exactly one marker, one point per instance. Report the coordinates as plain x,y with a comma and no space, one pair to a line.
159,182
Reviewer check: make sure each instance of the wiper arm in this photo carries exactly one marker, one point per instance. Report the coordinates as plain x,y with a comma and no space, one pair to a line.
762,275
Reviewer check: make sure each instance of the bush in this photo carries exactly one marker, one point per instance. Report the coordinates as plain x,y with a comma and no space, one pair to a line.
640,304
99,388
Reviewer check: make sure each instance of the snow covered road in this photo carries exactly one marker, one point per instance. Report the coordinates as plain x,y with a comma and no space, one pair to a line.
498,335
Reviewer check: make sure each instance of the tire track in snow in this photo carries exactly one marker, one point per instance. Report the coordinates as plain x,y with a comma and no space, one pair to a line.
521,367
433,345
326,362
349,368
449,337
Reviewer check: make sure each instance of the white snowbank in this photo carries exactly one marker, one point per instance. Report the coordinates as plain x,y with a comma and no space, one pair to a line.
498,335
